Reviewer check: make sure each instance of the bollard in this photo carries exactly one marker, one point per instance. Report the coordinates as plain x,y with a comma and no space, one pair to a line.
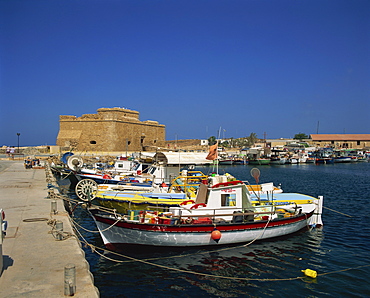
69,280
59,229
54,207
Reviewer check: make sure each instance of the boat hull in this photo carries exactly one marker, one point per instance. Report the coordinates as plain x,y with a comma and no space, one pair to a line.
278,161
115,233
342,159
226,162
260,161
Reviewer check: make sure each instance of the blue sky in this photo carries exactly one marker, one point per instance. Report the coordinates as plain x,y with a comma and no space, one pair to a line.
262,66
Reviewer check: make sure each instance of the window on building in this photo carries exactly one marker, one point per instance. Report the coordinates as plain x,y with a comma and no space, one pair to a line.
358,143
93,142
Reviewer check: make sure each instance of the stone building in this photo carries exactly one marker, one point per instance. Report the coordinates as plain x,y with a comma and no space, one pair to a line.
111,129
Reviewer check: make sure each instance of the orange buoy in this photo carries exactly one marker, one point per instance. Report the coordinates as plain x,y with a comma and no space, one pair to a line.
216,235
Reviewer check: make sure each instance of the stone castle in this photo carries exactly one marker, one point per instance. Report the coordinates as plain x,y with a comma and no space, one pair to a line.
111,129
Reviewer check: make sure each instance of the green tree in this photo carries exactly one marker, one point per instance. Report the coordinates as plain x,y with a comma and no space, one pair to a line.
212,140
301,136
252,139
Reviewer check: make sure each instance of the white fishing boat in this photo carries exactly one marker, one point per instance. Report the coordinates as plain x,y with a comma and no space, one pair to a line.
221,214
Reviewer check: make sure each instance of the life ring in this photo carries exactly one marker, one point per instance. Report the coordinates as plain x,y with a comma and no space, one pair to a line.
223,184
107,176
187,202
139,172
197,205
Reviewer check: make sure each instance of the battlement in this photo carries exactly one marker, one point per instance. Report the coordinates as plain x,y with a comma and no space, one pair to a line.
111,129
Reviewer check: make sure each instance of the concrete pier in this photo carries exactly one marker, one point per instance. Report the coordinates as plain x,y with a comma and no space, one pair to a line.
34,260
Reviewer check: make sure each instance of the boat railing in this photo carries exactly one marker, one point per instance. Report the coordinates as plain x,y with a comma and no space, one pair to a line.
145,216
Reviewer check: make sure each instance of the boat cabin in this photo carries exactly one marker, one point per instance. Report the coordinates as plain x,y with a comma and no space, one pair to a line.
222,199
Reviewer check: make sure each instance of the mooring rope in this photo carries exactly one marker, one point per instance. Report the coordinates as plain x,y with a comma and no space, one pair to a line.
63,235
146,261
74,222
337,211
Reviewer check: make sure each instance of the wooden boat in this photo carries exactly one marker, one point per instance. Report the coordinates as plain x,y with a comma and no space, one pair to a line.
182,190
221,214
226,161
291,160
277,160
259,161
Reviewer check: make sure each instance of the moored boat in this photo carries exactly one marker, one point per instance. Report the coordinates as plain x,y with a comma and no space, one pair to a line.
259,161
182,190
275,160
221,214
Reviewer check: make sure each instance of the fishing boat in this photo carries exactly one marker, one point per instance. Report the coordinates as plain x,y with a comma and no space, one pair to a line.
182,190
259,161
221,214
226,161
278,157
291,160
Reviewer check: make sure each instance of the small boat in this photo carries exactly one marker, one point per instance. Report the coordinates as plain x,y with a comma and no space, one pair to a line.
291,160
240,161
361,158
259,161
221,214
275,160
155,174
226,161
278,157
182,190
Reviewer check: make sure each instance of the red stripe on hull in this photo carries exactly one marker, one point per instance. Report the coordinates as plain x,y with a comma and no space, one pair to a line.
202,228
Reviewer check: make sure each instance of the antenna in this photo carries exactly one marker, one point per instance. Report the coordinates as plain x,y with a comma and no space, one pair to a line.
317,129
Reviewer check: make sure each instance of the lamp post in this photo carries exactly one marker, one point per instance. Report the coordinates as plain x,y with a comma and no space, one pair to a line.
18,134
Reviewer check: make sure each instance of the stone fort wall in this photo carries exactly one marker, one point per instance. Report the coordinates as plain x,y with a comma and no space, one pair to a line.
111,129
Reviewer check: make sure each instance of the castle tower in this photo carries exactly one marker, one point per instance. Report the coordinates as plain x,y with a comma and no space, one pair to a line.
111,129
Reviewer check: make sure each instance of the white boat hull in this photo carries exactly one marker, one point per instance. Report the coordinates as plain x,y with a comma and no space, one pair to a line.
120,233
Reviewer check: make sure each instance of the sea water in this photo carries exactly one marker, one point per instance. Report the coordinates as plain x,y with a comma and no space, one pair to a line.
339,252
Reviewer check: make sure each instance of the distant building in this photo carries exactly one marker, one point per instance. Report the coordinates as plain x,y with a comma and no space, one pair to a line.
347,141
111,129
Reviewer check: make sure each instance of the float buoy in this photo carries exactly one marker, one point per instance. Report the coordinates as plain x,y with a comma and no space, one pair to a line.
216,235
107,176
310,273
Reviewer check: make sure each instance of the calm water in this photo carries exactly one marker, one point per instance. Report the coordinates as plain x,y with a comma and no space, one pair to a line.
267,268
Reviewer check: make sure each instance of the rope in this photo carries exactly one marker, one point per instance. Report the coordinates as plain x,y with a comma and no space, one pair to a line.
74,222
35,219
337,211
94,249
58,235
145,261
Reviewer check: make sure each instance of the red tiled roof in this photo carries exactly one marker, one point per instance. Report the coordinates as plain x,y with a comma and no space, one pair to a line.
340,137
